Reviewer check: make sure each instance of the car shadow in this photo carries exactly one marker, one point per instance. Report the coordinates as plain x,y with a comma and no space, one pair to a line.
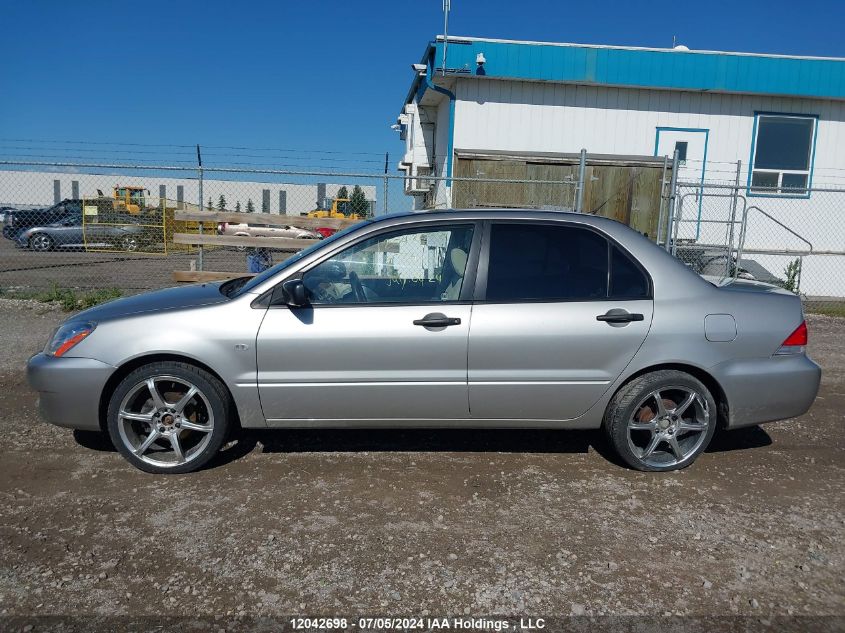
739,439
94,440
244,441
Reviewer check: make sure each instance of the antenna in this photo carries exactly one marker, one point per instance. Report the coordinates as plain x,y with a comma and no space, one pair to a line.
447,6
674,40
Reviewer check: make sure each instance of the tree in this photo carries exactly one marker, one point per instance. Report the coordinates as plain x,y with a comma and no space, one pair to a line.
210,205
358,202
250,208
238,206
265,206
221,202
343,194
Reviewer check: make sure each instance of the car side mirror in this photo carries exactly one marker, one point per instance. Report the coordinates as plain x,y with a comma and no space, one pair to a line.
294,293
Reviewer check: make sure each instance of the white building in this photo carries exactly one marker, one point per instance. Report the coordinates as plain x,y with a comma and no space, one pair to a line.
780,118
40,188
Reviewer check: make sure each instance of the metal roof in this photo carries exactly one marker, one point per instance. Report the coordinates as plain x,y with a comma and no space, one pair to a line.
668,69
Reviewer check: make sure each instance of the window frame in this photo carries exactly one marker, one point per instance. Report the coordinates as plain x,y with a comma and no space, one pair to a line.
470,274
762,192
480,295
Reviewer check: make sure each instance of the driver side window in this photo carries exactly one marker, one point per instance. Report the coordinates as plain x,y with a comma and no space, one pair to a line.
407,266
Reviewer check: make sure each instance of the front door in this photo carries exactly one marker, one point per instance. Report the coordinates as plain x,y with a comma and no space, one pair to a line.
563,313
384,339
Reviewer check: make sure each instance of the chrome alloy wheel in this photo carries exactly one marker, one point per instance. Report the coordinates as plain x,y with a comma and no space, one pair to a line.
668,426
40,242
165,421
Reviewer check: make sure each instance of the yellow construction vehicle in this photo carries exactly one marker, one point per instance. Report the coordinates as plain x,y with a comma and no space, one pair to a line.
339,205
131,199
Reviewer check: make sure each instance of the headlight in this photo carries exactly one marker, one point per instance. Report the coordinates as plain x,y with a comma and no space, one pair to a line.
67,336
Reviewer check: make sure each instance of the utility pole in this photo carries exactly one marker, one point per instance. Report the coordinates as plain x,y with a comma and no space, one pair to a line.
384,200
199,204
447,6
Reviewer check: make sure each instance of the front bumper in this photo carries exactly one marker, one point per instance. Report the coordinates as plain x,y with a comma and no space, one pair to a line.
768,389
69,389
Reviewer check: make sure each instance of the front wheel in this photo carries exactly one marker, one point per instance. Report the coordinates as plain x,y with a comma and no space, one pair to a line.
661,421
169,417
41,242
129,243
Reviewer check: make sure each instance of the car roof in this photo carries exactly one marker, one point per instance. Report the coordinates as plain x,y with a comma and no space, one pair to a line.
497,214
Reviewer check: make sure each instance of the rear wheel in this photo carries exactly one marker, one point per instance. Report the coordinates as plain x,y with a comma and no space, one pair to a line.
41,242
661,421
129,243
169,417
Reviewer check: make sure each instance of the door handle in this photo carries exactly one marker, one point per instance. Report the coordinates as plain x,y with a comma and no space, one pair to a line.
619,317
435,319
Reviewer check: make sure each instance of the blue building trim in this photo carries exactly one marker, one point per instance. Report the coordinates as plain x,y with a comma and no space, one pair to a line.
648,68
697,130
757,115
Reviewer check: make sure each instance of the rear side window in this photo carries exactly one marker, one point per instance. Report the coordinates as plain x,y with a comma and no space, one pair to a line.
627,280
543,262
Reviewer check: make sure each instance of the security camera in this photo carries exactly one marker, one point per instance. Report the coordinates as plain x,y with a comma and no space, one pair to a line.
479,59
420,68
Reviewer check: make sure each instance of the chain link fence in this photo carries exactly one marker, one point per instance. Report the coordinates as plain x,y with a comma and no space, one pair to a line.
795,241
121,229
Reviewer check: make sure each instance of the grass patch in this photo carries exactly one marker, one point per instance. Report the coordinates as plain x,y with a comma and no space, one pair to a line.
829,308
69,298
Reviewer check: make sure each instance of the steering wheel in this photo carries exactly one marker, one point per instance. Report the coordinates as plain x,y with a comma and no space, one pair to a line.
357,288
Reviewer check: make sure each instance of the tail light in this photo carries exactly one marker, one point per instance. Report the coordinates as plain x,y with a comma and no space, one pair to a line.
795,342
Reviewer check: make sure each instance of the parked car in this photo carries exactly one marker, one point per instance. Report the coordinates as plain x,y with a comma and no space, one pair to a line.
265,230
17,221
4,211
486,318
121,232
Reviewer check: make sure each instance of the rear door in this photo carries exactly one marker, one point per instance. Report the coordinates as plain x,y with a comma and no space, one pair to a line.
385,335
561,311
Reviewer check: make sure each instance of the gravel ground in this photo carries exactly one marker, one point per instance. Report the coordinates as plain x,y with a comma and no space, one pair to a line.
421,523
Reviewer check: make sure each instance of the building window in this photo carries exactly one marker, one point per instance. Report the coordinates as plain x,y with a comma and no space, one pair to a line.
681,148
783,154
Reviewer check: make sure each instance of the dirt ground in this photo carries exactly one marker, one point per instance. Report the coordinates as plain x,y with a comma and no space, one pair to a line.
428,523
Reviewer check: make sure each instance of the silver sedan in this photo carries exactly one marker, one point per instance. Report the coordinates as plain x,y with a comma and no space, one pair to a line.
506,319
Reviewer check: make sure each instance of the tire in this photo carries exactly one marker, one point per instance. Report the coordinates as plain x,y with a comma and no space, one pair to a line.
661,436
143,431
130,244
41,242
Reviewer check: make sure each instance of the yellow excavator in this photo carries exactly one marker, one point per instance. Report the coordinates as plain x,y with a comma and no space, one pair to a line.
127,199
340,210
131,199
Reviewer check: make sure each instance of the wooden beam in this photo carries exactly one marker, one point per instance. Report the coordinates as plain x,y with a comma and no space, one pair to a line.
280,243
274,219
205,275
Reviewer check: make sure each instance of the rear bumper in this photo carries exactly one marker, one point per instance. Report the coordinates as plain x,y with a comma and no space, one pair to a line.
768,389
68,389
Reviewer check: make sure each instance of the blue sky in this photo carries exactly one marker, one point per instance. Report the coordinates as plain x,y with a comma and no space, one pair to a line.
323,79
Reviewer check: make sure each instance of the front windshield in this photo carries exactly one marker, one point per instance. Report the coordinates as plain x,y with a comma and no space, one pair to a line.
273,270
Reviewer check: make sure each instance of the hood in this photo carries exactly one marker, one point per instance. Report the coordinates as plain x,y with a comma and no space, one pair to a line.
182,297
